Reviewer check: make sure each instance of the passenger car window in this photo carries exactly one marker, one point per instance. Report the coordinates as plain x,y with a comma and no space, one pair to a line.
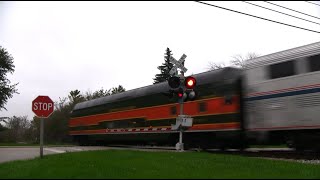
173,110
314,63
202,107
281,70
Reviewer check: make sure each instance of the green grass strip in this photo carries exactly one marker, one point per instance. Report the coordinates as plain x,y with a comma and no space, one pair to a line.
124,164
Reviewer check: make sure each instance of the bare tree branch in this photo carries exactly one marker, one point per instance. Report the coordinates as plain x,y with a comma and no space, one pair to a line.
214,66
237,60
240,61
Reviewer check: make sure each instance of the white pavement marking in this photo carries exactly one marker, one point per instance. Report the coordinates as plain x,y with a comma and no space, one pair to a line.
76,149
54,150
269,149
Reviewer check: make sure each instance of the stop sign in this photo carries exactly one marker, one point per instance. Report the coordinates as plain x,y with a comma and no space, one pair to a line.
42,106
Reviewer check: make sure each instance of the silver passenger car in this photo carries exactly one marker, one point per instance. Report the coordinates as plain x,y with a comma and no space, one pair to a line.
282,94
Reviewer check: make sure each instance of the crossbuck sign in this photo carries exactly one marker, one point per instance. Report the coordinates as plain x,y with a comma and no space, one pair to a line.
178,64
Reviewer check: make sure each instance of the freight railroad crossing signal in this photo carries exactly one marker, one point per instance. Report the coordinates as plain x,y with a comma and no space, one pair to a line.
180,85
184,89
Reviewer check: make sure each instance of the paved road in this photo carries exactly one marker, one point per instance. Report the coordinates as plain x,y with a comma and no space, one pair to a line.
21,153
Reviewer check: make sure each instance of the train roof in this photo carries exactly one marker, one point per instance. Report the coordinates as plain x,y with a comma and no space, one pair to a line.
294,53
229,73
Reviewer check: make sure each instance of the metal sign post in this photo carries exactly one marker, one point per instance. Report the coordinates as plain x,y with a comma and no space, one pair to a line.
181,146
41,136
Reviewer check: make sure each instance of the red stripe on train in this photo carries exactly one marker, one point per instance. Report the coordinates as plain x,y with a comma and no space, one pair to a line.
214,106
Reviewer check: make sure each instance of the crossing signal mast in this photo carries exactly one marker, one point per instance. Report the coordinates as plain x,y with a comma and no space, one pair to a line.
183,87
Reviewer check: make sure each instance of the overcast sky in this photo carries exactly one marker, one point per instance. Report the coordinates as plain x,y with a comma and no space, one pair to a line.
63,46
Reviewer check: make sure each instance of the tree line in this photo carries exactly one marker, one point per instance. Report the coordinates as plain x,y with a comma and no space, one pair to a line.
20,129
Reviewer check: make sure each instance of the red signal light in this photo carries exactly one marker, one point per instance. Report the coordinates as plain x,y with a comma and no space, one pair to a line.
180,93
190,82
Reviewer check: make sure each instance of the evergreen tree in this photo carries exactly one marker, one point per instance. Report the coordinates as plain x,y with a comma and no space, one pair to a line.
75,97
116,90
164,68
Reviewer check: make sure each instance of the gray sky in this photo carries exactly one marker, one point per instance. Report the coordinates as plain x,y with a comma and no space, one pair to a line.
63,46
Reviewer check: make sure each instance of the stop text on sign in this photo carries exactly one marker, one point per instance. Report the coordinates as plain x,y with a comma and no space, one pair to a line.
42,106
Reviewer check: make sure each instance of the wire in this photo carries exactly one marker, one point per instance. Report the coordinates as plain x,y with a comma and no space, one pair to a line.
280,12
291,9
312,3
257,17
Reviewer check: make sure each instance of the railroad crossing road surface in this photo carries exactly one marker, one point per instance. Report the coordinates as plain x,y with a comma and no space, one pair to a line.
22,153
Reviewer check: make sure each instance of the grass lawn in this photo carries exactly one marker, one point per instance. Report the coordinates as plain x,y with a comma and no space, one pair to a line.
155,165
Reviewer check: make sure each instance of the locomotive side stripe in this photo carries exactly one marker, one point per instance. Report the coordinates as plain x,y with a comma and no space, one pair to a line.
207,119
282,90
214,106
292,93
205,127
144,108
202,115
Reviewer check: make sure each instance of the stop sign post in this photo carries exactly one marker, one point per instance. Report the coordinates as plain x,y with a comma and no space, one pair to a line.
43,107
